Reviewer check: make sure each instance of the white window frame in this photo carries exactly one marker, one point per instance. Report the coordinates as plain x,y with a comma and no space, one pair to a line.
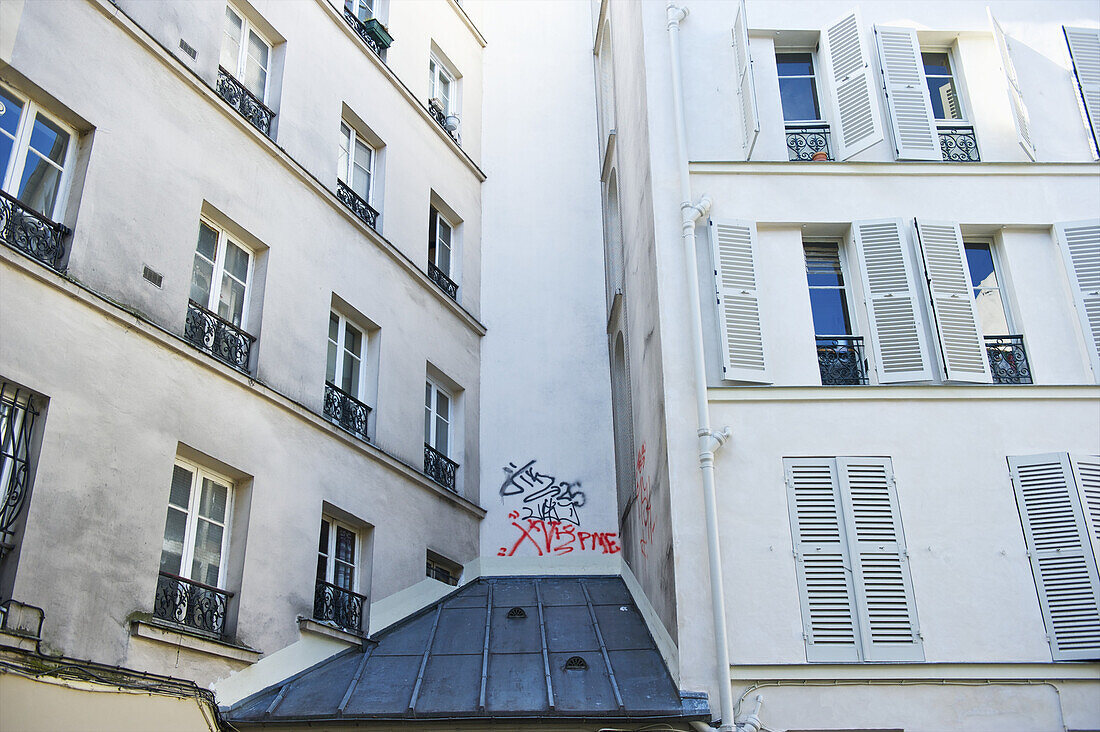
345,176
357,5
21,149
431,438
242,53
330,556
956,82
816,76
219,269
343,323
438,70
198,472
1002,284
441,219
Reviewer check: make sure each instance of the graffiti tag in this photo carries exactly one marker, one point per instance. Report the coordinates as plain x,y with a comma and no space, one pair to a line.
557,538
642,488
544,497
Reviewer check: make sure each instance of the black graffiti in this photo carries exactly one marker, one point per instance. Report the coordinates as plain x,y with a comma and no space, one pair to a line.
544,496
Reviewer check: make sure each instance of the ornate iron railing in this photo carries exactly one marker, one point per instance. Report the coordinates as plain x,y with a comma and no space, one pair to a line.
343,608
358,206
191,604
373,33
17,415
841,360
218,337
346,411
958,144
445,283
438,113
440,468
244,101
1008,359
804,142
32,233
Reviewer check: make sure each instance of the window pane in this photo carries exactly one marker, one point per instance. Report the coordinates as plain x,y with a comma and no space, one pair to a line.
322,544
445,92
441,435
979,259
171,554
212,502
794,64
350,377
345,545
935,64
201,275
49,139
353,340
322,569
257,49
180,495
9,115
442,405
428,413
255,79
360,182
231,301
236,261
823,266
991,312
231,44
330,368
799,97
206,565
830,312
945,102
38,187
342,576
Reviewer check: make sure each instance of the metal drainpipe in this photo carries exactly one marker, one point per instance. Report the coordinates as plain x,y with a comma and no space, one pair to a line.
709,440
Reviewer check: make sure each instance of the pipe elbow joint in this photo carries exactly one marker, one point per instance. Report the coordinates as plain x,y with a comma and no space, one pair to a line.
676,14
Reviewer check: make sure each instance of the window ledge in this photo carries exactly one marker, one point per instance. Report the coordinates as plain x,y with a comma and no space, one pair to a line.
155,630
309,625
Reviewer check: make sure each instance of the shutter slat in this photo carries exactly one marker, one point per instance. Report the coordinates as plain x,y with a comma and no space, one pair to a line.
746,85
907,99
855,105
1020,118
1080,245
734,250
1084,51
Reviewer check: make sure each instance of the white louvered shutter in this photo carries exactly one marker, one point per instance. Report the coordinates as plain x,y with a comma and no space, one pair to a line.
746,86
886,263
1062,558
825,580
1084,50
962,343
1020,116
734,250
855,104
880,564
1086,472
907,99
1080,245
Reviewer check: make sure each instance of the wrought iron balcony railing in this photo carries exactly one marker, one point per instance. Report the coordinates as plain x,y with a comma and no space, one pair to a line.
958,144
17,416
244,101
440,468
373,33
445,283
358,206
841,360
218,337
31,233
1008,359
343,608
808,142
346,411
191,604
439,114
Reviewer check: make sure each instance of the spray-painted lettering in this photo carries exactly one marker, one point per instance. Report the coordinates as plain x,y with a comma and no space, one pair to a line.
544,497
557,538
642,488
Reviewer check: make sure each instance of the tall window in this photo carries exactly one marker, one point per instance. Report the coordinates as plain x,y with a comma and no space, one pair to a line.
337,555
245,53
356,164
840,354
437,418
439,242
221,275
361,9
992,313
798,87
345,355
35,152
441,85
17,416
196,533
941,85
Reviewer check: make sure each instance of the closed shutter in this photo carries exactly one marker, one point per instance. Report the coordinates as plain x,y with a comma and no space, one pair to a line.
825,579
1019,111
910,107
734,249
746,86
1084,50
854,104
961,341
1080,244
886,263
1062,558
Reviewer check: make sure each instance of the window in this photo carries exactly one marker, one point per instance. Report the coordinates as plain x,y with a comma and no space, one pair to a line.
245,53
440,568
36,152
807,133
441,241
853,570
942,89
356,164
339,561
437,418
196,533
839,353
221,275
361,9
346,345
441,86
1004,345
17,456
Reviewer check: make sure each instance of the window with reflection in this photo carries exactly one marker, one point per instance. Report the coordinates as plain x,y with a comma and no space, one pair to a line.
941,86
346,345
245,53
337,555
196,531
992,313
36,153
828,293
221,275
798,87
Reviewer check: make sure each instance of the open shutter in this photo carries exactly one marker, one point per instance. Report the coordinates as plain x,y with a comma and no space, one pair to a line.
734,248
961,341
1062,558
884,589
910,107
886,263
1019,111
854,103
746,86
1086,472
1080,244
825,580
1084,50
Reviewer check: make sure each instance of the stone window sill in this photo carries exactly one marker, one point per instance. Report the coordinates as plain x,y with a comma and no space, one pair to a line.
172,635
308,625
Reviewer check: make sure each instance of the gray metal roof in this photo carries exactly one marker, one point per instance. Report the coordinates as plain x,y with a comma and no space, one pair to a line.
502,647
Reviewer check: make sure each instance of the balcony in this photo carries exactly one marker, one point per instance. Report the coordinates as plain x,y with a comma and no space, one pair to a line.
346,411
339,607
31,233
373,33
448,122
242,100
218,337
357,205
841,360
191,604
958,144
808,142
1008,359
445,283
440,468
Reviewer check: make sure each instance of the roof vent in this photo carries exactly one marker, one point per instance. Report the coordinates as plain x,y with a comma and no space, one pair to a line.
517,612
576,663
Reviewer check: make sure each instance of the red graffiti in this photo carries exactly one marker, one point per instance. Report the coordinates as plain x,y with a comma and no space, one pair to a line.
557,538
642,488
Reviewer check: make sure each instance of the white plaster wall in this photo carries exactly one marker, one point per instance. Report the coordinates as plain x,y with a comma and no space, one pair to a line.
545,361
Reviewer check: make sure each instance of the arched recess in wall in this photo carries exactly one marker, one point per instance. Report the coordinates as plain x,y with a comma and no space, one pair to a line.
613,239
623,417
607,85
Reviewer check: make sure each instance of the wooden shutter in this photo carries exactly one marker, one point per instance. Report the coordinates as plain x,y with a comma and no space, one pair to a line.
886,263
734,249
1086,473
825,579
854,103
746,86
1080,245
1020,116
961,340
1062,558
1084,50
907,99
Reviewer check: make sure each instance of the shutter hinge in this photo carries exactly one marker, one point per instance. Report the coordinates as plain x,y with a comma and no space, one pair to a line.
806,637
